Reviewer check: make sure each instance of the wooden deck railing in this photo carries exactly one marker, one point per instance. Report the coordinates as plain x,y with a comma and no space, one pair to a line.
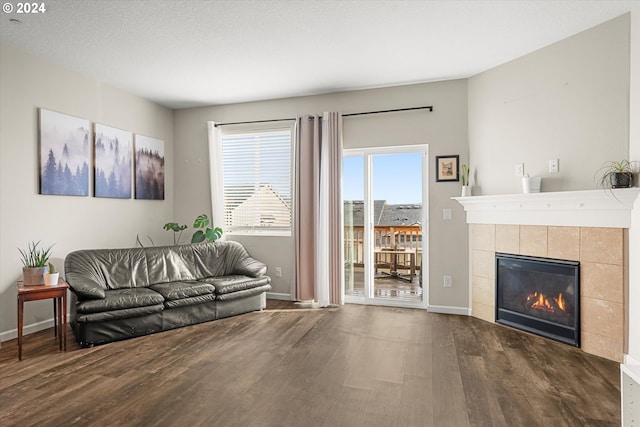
389,238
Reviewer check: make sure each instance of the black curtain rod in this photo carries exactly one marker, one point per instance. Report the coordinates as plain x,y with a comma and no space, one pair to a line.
429,107
255,121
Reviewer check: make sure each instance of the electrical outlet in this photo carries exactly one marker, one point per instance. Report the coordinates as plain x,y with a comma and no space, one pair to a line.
278,271
519,169
554,166
447,282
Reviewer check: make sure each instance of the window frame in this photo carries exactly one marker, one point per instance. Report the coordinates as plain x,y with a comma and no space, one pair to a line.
259,129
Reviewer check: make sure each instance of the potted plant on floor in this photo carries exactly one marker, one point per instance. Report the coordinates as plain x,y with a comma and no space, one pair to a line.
177,231
616,174
34,261
51,277
204,232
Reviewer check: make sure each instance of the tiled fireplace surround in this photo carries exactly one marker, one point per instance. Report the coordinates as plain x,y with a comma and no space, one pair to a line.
586,226
601,255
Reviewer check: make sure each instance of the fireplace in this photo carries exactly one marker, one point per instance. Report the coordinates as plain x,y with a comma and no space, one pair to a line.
539,295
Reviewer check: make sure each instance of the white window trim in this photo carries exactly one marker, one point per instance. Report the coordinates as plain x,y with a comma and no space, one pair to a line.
264,128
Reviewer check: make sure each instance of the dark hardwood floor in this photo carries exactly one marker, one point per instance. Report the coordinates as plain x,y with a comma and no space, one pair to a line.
289,366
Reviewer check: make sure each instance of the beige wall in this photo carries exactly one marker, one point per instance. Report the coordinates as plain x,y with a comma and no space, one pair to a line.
634,153
572,100
26,84
444,129
567,101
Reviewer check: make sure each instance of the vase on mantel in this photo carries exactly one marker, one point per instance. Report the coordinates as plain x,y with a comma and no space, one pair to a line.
531,184
466,191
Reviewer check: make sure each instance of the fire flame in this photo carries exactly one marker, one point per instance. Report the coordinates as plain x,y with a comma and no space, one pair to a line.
543,303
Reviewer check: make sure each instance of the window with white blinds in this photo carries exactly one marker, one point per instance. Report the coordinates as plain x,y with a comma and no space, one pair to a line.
257,181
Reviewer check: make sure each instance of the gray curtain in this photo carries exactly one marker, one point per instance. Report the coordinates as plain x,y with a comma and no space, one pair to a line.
318,209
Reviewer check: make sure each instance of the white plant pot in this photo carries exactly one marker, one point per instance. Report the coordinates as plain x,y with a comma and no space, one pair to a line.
51,279
531,184
466,191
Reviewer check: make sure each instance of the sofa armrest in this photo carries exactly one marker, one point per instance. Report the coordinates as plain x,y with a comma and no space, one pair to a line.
83,287
250,267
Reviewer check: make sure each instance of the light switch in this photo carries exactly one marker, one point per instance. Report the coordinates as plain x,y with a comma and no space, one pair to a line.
446,214
447,283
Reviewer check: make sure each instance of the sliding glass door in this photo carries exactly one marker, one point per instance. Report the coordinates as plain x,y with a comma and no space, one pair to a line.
384,215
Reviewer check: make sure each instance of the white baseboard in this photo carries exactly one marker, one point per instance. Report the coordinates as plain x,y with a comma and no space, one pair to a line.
278,295
28,329
462,311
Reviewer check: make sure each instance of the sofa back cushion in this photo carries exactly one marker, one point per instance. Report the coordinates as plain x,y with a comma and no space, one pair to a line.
170,264
219,258
110,268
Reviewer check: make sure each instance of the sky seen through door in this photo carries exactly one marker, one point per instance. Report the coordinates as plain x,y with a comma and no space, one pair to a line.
397,178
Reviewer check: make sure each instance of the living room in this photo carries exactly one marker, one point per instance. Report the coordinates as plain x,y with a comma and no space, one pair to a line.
572,100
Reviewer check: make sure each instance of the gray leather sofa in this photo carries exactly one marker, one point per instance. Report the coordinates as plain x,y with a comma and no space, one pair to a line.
124,293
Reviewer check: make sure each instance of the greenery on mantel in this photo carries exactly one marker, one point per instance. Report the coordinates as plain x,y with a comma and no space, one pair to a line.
616,174
465,175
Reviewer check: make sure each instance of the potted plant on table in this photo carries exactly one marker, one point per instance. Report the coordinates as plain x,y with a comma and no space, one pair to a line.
52,276
616,174
34,261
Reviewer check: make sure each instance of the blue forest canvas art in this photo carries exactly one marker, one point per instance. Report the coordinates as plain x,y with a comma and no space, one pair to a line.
64,154
113,156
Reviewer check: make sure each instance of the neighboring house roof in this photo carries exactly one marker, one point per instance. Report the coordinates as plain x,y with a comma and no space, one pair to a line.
401,215
244,192
384,214
264,206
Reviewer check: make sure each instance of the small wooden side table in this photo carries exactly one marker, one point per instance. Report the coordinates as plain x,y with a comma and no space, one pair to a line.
39,292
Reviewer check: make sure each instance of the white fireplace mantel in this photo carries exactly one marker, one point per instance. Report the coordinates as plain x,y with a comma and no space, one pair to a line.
589,208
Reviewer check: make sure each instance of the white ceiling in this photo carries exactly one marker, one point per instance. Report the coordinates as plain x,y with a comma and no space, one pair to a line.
186,53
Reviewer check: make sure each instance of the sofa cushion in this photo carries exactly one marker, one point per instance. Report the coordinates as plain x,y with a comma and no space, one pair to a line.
108,268
235,283
126,313
244,293
208,260
119,299
250,267
84,286
179,290
219,258
170,264
190,301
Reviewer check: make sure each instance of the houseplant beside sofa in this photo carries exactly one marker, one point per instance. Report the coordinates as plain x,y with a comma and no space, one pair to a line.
124,293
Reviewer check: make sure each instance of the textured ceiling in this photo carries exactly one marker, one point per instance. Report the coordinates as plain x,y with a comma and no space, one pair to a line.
185,53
